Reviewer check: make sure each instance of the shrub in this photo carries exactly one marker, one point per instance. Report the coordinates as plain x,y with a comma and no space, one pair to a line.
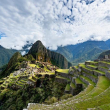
66,96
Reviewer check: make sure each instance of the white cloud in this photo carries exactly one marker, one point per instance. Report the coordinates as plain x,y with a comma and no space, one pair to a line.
54,22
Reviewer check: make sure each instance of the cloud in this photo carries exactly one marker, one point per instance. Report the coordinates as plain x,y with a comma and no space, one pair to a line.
54,22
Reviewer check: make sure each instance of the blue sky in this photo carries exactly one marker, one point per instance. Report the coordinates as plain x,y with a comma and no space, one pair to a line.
54,22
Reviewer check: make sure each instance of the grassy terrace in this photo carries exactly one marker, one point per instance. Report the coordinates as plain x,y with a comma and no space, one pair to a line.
103,107
63,70
34,65
67,87
84,66
45,68
88,80
97,100
78,81
92,66
92,62
90,74
33,80
72,85
101,72
62,78
103,67
105,62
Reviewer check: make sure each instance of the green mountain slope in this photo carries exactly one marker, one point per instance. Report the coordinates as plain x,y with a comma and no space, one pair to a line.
5,55
81,52
90,55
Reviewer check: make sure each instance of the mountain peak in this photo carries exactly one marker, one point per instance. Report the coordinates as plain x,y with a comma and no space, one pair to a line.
1,46
38,42
37,47
40,53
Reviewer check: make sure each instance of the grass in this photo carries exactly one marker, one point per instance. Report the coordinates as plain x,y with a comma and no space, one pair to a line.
72,85
92,66
84,66
49,73
32,65
90,74
45,68
104,67
78,81
76,67
67,87
104,62
88,80
63,70
30,78
92,62
101,72
62,78
103,107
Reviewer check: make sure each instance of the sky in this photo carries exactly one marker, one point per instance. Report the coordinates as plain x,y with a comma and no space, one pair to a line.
54,22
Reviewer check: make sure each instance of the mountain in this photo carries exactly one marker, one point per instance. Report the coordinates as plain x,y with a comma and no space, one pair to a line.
12,64
40,53
102,55
108,42
82,52
5,55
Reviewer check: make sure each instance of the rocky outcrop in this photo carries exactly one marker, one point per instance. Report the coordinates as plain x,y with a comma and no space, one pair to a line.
40,53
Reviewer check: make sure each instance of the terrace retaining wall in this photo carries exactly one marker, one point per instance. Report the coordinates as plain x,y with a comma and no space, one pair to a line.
107,74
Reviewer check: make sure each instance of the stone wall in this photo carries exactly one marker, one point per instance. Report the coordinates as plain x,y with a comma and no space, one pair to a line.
72,90
107,74
84,81
88,71
61,80
104,64
96,73
102,69
90,63
91,67
63,74
90,77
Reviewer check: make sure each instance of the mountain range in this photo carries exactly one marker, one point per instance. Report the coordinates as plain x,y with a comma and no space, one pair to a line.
79,53
89,50
37,52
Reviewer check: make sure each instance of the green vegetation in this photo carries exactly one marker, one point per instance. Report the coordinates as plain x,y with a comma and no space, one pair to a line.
72,85
33,79
78,81
88,80
67,87
18,99
101,72
63,70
